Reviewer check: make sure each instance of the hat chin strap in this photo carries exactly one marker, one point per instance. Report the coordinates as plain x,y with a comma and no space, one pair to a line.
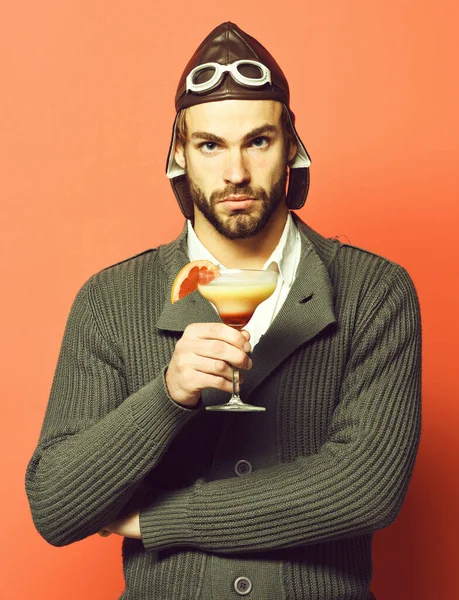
298,186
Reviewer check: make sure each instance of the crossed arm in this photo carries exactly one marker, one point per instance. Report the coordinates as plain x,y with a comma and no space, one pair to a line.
92,468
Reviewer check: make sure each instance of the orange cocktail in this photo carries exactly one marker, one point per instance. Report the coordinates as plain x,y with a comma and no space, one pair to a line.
236,293
236,300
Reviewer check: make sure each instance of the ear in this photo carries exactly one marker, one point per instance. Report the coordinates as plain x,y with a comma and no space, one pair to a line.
292,149
180,155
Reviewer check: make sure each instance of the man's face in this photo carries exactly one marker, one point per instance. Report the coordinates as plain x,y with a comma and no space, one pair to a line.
236,164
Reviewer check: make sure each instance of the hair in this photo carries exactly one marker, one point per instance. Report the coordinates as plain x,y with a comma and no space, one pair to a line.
181,132
287,128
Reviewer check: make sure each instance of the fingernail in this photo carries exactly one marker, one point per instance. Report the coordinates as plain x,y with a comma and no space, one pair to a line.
247,347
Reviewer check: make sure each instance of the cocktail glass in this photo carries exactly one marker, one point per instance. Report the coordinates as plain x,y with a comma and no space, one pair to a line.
236,293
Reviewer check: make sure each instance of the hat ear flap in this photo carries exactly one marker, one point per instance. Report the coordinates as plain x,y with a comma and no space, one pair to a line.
182,193
298,186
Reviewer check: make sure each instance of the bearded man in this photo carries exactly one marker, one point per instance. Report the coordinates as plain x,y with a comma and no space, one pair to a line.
275,505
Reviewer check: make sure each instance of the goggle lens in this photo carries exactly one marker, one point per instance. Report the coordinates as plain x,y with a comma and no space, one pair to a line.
253,72
203,75
248,73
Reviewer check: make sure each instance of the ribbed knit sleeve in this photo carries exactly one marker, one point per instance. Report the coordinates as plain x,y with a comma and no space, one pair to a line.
354,484
98,441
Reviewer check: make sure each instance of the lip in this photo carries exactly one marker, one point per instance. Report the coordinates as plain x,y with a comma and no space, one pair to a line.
238,202
237,198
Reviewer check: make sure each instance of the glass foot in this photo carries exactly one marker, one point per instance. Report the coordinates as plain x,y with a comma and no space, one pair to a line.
237,406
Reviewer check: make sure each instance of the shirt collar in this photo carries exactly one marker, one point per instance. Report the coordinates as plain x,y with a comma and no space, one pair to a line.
285,254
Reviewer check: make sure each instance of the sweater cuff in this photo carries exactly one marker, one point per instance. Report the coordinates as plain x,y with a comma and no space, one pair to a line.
154,411
166,522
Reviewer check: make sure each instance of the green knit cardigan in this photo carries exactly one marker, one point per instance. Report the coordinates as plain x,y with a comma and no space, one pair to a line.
326,465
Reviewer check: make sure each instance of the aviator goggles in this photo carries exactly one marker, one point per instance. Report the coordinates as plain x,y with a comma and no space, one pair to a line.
232,69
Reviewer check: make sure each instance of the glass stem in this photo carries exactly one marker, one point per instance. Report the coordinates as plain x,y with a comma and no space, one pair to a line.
235,398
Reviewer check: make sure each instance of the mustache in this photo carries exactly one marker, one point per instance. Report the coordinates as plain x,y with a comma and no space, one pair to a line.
236,190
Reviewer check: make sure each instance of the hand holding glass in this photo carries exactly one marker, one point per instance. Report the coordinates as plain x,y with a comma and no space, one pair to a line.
236,293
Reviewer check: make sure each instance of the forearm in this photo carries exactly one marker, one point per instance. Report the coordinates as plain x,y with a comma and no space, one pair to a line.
78,482
353,485
314,499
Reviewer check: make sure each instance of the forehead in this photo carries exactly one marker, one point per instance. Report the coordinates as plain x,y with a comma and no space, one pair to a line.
233,118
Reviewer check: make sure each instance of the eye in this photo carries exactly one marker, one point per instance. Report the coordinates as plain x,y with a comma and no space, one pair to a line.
260,142
209,147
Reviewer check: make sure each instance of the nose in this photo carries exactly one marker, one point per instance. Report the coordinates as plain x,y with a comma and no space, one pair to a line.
236,168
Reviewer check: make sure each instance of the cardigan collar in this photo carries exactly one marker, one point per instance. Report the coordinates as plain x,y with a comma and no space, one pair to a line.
307,310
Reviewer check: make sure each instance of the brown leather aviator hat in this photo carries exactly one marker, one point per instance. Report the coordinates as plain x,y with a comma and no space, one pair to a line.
231,65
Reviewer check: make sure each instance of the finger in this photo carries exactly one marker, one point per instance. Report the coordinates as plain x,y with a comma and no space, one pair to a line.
199,380
246,334
219,352
104,533
205,372
214,367
218,331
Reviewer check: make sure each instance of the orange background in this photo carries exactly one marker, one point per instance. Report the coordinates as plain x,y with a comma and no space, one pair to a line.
86,111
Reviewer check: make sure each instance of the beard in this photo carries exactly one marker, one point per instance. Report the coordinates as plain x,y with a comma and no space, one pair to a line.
243,223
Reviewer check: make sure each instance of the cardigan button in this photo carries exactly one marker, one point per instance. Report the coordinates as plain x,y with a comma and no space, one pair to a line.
242,467
243,586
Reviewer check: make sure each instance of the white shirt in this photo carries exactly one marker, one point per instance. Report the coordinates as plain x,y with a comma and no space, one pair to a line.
286,255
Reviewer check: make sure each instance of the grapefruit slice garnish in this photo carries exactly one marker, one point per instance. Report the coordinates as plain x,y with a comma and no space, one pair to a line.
187,280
